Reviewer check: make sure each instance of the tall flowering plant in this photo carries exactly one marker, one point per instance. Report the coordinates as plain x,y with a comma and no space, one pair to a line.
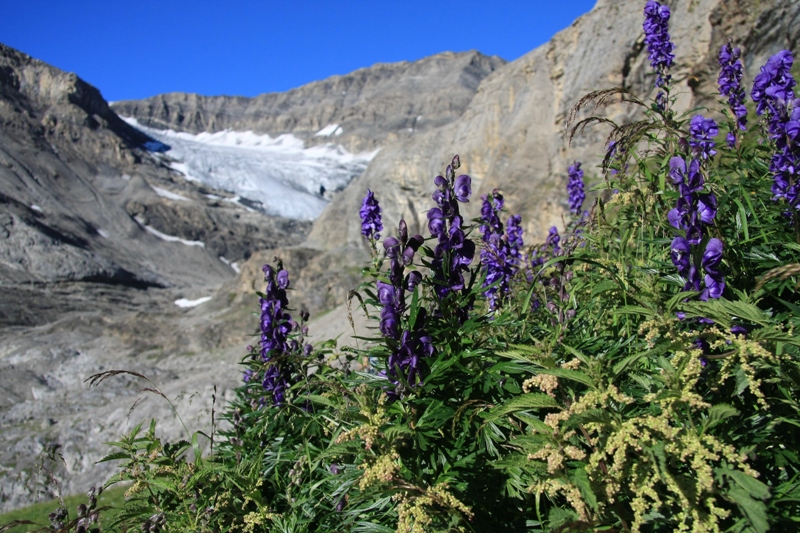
501,254
730,85
773,92
659,47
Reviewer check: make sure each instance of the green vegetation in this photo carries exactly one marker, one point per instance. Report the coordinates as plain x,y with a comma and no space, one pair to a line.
112,498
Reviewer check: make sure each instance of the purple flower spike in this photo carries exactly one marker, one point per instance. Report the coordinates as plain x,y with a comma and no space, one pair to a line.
774,82
730,85
575,188
370,214
463,188
703,130
659,46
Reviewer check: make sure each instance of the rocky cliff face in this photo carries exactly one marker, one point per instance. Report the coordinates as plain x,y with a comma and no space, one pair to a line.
511,135
371,106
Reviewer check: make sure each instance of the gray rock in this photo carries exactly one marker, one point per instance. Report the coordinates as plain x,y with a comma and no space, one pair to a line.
372,106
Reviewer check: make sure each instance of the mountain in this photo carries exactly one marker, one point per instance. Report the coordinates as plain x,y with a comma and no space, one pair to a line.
363,110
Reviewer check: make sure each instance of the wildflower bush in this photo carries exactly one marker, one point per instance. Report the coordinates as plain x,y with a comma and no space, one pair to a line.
637,372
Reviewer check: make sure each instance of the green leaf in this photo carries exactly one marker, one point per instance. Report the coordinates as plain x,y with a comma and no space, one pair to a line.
755,510
531,400
579,477
604,286
754,487
718,413
634,310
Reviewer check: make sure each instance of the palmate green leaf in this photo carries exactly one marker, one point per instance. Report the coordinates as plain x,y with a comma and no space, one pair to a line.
523,352
316,398
604,286
717,414
754,510
393,432
774,335
580,478
754,487
636,310
531,400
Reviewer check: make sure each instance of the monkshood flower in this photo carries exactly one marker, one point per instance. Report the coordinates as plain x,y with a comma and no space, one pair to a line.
404,364
454,251
514,234
553,240
714,280
773,85
659,45
575,188
730,85
276,325
500,259
694,211
702,131
400,250
370,214
772,90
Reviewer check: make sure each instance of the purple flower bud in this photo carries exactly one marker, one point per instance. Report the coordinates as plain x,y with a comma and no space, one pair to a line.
703,130
436,222
680,255
391,245
463,188
386,293
712,257
283,279
739,330
370,214
707,208
456,163
440,182
677,170
402,230
413,279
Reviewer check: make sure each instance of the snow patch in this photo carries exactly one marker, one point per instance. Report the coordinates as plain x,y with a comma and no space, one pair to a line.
169,195
234,266
165,237
103,233
280,173
183,302
36,208
330,129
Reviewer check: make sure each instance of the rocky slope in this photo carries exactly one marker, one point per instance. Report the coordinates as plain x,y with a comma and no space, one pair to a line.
97,240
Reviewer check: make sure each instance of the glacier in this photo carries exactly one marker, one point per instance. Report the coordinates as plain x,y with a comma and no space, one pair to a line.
278,175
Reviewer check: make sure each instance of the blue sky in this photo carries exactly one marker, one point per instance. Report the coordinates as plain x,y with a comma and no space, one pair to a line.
135,49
